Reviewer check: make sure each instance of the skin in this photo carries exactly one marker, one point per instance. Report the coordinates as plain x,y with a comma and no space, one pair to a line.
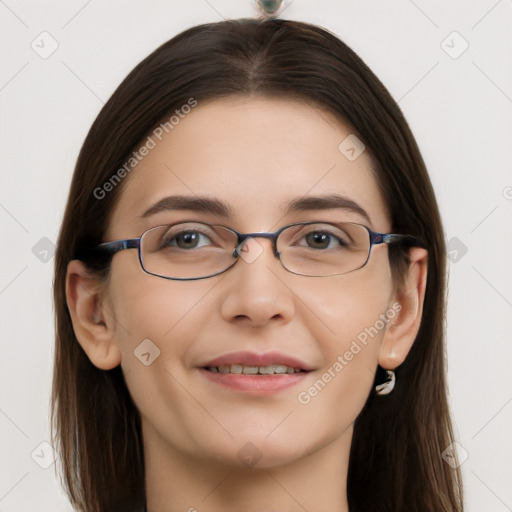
239,149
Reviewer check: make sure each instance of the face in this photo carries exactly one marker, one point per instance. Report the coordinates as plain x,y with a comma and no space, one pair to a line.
255,155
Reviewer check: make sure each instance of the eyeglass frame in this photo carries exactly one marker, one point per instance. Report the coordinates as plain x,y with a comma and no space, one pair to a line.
376,238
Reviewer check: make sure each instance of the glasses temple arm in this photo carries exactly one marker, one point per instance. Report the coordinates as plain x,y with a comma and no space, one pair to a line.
110,248
407,240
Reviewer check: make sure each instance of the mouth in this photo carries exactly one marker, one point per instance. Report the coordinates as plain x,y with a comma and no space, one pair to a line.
238,369
260,374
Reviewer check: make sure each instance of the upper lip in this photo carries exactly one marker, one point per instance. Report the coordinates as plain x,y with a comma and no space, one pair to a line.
247,358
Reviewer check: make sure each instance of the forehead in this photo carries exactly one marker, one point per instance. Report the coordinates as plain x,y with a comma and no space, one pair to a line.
254,154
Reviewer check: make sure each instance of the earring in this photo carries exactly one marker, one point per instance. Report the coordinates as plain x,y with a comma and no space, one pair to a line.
386,387
270,8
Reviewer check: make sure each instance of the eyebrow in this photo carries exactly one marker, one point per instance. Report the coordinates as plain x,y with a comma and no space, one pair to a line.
222,209
327,202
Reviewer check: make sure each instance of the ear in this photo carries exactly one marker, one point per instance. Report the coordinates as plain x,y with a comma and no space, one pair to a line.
402,329
93,324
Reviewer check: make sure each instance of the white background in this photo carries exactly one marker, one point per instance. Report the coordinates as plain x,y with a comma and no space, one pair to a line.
460,110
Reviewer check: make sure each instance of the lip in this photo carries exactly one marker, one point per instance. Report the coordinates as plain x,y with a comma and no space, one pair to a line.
249,358
260,385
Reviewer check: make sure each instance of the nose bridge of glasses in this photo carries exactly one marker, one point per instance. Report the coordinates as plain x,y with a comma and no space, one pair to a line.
244,237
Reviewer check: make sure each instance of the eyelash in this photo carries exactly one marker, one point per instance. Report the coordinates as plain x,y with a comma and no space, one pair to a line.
166,240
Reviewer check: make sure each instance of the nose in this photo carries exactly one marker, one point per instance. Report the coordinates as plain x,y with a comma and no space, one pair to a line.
254,291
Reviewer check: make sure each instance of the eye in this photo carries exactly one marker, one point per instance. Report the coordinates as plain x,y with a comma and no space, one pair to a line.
320,240
192,238
323,237
186,240
324,240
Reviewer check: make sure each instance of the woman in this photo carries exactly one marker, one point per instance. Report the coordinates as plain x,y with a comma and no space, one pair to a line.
298,368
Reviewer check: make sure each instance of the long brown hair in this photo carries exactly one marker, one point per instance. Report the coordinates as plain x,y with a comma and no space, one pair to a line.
395,462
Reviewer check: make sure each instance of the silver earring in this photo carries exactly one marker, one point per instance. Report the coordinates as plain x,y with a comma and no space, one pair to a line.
270,8
386,387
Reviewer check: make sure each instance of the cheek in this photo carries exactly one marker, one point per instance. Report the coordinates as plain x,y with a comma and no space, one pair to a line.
149,307
351,316
155,321
351,307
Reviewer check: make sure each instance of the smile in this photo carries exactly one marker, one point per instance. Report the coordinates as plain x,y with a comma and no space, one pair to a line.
255,373
273,369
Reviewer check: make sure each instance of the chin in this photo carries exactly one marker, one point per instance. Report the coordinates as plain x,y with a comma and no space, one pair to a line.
261,452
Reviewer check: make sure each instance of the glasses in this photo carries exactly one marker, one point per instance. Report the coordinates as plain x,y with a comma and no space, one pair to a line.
196,250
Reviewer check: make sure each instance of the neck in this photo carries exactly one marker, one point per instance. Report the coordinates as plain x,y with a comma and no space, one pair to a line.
179,482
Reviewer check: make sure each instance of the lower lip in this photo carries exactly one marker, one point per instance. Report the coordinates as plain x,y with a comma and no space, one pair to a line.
259,384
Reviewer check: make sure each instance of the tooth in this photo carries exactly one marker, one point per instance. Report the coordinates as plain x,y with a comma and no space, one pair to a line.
253,370
236,368
250,369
